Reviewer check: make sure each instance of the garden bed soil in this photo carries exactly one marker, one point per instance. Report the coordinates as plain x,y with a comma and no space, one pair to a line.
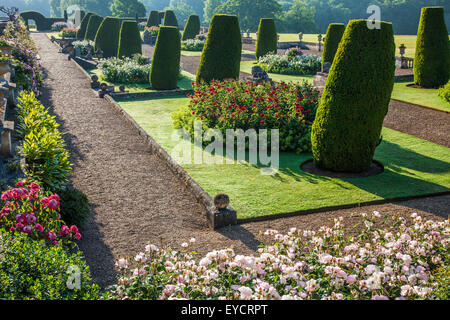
375,168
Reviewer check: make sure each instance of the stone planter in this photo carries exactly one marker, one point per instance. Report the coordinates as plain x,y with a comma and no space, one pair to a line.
6,50
4,68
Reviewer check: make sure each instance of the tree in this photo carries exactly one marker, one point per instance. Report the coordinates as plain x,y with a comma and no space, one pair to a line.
209,9
130,42
299,18
267,38
332,39
181,10
128,8
192,27
107,37
157,5
100,7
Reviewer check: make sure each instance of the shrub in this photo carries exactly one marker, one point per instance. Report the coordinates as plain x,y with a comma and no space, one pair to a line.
192,45
42,23
83,25
267,40
32,270
68,32
444,92
130,41
332,39
153,19
387,259
432,59
92,27
46,159
74,208
232,104
192,28
221,55
107,37
170,20
31,210
166,59
58,26
298,65
293,52
125,70
348,124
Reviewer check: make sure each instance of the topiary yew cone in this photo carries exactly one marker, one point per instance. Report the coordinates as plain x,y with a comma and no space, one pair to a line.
267,39
192,28
84,22
221,55
130,42
332,39
170,20
92,27
355,100
432,58
166,59
107,38
153,19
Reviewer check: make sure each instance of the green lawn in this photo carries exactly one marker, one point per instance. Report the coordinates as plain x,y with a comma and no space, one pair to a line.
199,53
246,66
412,167
183,83
425,97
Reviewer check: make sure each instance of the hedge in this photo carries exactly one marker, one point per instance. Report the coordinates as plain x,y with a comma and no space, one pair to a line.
332,39
267,39
107,38
166,59
221,55
130,41
350,116
83,25
153,19
42,23
170,20
92,27
432,59
192,28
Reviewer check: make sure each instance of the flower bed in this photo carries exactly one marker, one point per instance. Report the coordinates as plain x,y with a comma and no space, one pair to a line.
83,46
402,261
125,70
58,26
68,32
192,45
235,104
291,64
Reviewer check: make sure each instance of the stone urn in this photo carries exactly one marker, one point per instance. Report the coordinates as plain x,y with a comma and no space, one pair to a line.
7,50
4,68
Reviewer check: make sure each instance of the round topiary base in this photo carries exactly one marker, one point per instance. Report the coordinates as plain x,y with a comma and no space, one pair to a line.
374,169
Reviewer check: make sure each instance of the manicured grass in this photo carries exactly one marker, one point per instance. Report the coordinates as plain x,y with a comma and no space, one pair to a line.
412,167
425,97
246,66
183,83
199,53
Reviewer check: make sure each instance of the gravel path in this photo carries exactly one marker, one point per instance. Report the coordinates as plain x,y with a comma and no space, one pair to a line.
135,198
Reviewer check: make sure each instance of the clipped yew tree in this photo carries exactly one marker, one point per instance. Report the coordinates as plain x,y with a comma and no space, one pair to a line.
83,25
221,55
170,20
192,27
153,19
130,41
348,122
432,59
107,38
267,39
166,59
92,27
332,39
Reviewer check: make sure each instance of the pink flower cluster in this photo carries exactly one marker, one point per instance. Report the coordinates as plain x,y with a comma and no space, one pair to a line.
399,262
28,209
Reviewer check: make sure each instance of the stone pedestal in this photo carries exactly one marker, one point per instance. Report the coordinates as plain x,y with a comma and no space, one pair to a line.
222,218
6,145
319,80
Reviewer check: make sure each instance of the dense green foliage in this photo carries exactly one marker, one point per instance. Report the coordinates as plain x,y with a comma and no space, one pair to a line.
444,92
267,41
166,59
130,41
74,206
332,39
432,59
153,19
92,27
192,28
42,23
83,26
32,269
107,37
170,20
351,111
221,55
127,8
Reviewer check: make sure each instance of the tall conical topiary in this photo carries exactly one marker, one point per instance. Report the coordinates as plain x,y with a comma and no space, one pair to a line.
192,28
130,41
84,22
267,38
170,19
153,19
166,59
332,39
107,38
351,111
92,27
432,59
221,55
82,14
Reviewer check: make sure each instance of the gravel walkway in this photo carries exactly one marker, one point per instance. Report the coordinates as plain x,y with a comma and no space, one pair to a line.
135,198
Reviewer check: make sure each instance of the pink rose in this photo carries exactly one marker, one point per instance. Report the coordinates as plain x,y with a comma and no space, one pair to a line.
51,236
64,231
38,227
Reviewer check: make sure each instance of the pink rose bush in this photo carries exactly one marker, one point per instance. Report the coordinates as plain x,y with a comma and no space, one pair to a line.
404,261
29,209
